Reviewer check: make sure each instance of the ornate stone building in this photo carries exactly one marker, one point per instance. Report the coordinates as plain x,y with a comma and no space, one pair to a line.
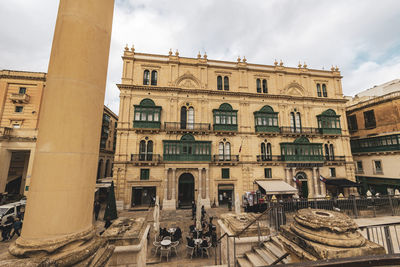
21,95
374,124
194,128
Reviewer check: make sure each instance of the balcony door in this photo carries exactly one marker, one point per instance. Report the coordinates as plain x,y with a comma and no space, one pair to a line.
295,122
187,118
186,189
146,150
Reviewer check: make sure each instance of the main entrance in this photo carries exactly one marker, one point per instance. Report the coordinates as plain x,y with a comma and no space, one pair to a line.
302,185
186,190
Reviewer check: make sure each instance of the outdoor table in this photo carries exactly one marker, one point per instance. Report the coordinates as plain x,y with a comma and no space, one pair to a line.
166,243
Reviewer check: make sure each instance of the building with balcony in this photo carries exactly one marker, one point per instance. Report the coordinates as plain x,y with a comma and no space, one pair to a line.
206,130
374,124
20,98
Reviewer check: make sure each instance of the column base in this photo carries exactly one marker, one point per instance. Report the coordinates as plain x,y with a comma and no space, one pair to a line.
169,204
83,249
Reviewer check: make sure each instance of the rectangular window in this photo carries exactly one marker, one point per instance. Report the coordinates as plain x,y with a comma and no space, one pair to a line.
352,122
144,174
332,172
19,109
369,119
225,173
359,166
378,167
22,90
267,173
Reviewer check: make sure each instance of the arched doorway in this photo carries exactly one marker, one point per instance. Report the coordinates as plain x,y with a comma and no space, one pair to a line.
185,190
302,185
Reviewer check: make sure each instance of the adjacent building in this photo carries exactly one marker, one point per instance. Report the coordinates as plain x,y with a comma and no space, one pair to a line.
207,130
374,124
20,100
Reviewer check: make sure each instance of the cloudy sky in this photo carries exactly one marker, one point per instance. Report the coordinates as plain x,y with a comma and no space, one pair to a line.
361,37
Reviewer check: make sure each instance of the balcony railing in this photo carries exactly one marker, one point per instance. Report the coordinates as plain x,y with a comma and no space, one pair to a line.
334,158
261,158
145,157
19,98
187,127
225,158
301,130
5,131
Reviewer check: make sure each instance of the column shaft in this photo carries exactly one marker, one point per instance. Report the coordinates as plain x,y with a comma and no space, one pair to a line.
315,181
199,186
166,185
64,172
207,184
173,183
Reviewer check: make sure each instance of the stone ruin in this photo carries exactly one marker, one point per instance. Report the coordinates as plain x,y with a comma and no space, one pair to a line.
125,231
237,222
317,234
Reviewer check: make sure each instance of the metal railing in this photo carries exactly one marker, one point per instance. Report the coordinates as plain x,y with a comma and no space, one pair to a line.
387,235
185,126
334,158
261,158
145,157
5,131
225,158
300,130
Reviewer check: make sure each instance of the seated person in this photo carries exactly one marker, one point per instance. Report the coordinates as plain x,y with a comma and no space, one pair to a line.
204,244
190,242
178,234
191,228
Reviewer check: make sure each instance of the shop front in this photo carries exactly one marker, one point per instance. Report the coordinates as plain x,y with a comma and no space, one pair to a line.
225,194
143,196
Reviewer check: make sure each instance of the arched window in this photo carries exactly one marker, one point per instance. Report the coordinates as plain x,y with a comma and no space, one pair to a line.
226,83
266,152
154,77
219,83
224,151
264,86
258,85
99,166
319,90
324,92
187,118
146,77
295,122
146,150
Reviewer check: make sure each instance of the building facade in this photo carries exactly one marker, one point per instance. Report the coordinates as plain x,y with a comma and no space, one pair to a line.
374,124
108,141
205,130
20,100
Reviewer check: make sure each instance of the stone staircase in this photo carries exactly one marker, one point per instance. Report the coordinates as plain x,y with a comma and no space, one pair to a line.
265,255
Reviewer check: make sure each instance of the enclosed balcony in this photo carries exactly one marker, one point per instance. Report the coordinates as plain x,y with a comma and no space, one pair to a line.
147,115
376,144
19,98
225,119
329,123
266,121
187,149
302,150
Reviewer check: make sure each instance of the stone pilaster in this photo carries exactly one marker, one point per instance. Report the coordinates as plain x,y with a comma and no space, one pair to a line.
315,181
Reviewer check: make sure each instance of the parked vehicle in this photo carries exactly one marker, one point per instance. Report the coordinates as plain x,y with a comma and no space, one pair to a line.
14,210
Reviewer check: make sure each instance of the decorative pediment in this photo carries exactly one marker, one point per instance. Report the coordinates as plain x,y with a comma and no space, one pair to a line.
294,89
187,80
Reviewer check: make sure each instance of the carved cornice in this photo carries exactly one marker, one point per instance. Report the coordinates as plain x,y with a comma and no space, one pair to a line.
18,77
226,93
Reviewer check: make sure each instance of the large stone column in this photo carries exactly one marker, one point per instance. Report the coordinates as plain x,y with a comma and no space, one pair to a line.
323,187
169,204
173,196
315,181
5,159
166,184
60,199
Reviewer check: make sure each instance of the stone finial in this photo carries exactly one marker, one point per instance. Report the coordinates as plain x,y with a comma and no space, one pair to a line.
199,55
126,47
133,49
336,68
170,52
281,63
205,55
299,65
332,68
276,62
305,65
244,59
177,53
239,59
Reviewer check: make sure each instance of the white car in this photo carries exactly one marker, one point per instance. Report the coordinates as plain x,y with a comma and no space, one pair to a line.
11,210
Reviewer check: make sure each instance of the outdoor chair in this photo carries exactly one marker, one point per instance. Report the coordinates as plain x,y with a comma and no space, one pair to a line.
189,251
164,251
157,246
173,246
167,238
206,250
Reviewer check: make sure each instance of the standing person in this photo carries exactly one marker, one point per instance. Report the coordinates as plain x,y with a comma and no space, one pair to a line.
193,210
7,227
17,226
203,213
97,207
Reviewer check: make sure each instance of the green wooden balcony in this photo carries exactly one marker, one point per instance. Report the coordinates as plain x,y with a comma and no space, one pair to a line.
305,158
376,144
186,157
225,127
327,131
146,124
267,129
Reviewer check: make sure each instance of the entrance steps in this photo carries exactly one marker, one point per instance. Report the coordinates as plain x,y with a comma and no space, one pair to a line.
265,255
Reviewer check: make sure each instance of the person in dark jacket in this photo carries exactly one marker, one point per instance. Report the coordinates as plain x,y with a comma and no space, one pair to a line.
97,207
193,210
17,226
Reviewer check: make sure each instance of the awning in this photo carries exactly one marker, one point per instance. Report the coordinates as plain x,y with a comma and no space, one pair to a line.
225,187
103,185
277,187
342,182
